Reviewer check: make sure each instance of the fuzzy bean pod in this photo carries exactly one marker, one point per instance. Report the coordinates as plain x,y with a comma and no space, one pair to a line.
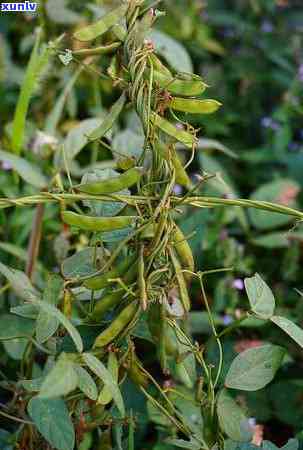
181,280
114,184
183,250
102,281
105,396
90,223
117,326
101,26
194,106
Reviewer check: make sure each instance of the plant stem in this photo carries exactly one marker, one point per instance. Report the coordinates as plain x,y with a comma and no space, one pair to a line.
35,239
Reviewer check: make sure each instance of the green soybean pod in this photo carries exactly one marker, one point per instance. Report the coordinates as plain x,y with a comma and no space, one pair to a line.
181,281
105,396
178,86
95,51
113,299
90,223
101,281
159,67
101,26
194,106
180,135
181,175
117,326
183,249
114,184
106,303
183,84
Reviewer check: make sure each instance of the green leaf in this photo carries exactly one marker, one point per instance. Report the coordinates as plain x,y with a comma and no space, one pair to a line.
260,297
61,380
52,310
27,171
27,310
211,144
295,332
52,291
272,240
52,420
109,120
58,11
101,26
46,326
282,192
86,383
82,263
54,116
292,444
232,419
77,139
101,371
193,444
254,368
15,327
7,440
173,52
20,283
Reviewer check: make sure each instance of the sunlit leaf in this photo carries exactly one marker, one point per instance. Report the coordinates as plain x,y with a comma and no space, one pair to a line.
52,419
260,296
254,368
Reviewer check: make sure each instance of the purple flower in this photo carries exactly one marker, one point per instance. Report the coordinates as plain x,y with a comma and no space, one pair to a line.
238,284
267,27
300,72
268,122
6,165
178,189
293,146
227,319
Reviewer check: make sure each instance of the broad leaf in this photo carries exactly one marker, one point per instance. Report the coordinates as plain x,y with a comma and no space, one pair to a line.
61,380
232,419
280,191
52,419
77,138
20,283
46,326
193,444
101,371
82,263
28,171
254,368
260,297
12,328
53,311
174,52
295,332
7,440
59,12
15,327
86,383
